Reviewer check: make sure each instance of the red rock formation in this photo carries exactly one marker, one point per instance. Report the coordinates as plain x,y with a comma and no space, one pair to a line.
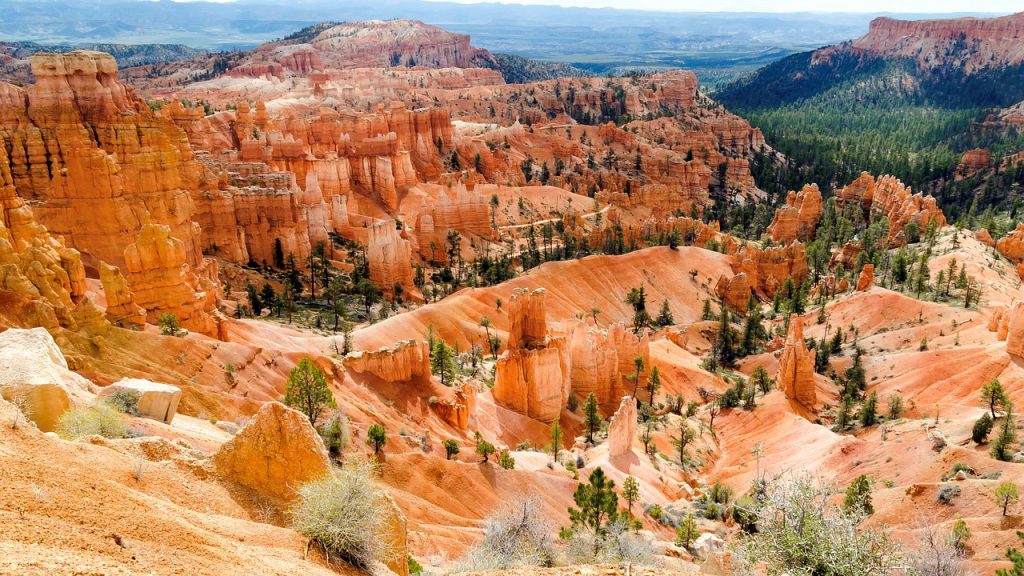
532,382
867,278
798,219
972,162
460,409
99,165
454,208
991,41
389,255
601,362
1015,330
532,375
1000,322
162,281
527,319
1012,245
370,44
121,307
735,291
622,428
769,268
888,196
796,366
985,237
406,360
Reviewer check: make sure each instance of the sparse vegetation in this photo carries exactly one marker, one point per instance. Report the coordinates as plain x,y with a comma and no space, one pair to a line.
344,512
99,419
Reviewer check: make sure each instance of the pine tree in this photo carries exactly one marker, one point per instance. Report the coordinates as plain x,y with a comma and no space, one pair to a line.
376,437
686,435
653,384
1002,446
665,315
994,396
596,506
591,416
307,390
725,347
630,492
869,410
556,439
442,361
686,532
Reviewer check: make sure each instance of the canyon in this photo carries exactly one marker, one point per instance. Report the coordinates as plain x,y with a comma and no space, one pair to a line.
465,263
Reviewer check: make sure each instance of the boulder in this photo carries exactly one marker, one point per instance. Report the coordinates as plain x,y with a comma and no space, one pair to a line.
275,453
156,401
707,544
35,377
622,428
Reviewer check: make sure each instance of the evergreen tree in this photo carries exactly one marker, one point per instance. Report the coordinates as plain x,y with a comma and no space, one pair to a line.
307,390
376,437
994,396
442,361
665,315
556,439
858,497
591,416
451,448
596,506
1002,446
630,492
869,410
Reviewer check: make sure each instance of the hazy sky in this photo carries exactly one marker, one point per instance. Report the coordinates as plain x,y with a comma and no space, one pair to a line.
919,6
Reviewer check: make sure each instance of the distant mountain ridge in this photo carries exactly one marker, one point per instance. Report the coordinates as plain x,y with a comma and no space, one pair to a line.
338,46
958,62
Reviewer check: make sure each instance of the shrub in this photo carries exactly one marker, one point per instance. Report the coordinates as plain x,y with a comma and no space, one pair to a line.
714,511
99,419
617,545
335,435
506,461
517,535
800,531
414,566
936,554
654,511
858,497
720,493
451,448
947,493
982,428
343,513
124,401
169,325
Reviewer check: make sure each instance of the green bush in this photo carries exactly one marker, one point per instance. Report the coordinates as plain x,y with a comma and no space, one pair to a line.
99,419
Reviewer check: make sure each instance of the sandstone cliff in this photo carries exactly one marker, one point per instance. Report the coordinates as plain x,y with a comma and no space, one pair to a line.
99,166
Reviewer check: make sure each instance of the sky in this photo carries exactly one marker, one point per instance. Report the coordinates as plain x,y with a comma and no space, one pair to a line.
897,6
